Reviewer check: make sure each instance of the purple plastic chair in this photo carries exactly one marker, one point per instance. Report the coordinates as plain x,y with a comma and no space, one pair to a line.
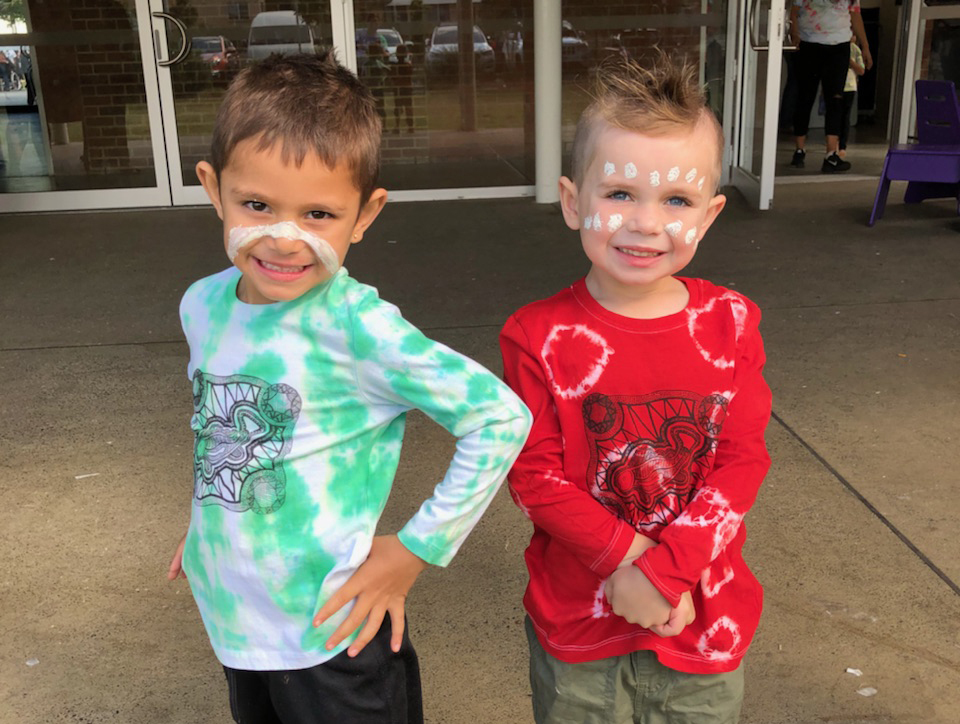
932,165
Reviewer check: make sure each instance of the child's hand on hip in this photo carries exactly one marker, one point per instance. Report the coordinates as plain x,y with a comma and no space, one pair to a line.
380,586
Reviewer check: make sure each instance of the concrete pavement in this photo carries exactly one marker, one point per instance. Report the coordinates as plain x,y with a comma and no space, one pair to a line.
854,535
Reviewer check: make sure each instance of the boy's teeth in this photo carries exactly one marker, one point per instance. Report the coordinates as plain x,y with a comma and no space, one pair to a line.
287,269
632,252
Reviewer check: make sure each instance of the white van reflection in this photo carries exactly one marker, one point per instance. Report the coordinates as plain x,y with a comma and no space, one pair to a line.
279,31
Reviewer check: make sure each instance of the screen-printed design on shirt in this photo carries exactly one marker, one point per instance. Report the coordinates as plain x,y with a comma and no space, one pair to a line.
243,428
649,454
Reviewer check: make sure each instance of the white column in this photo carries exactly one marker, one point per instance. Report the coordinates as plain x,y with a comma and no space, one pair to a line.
547,68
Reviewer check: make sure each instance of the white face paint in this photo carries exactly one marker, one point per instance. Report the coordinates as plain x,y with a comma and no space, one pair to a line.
240,236
609,169
654,178
691,175
700,183
673,174
691,235
673,228
596,220
615,221
630,170
588,223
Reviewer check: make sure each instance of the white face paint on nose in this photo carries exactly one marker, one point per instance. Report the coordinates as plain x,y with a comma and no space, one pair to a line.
240,236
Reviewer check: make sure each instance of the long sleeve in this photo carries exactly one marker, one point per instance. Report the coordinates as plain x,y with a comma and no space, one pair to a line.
567,512
713,518
398,366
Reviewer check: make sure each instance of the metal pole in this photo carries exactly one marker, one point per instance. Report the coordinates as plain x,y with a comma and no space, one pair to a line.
466,63
547,69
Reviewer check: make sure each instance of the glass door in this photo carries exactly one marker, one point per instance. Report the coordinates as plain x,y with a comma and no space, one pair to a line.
757,35
929,49
79,116
202,45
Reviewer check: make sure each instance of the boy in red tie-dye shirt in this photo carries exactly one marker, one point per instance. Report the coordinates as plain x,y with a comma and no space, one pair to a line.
649,410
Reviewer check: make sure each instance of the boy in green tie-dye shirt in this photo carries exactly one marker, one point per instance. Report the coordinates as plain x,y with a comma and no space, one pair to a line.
302,378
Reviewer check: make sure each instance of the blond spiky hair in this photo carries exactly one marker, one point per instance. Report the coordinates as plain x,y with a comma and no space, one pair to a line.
650,100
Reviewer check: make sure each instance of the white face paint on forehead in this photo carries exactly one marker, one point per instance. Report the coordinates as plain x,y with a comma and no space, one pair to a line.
673,174
240,236
691,175
609,169
654,178
700,183
630,170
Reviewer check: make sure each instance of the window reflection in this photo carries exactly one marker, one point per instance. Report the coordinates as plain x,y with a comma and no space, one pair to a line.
452,119
70,112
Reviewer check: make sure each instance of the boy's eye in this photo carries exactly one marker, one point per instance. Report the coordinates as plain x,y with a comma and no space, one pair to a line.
319,215
257,206
619,196
677,201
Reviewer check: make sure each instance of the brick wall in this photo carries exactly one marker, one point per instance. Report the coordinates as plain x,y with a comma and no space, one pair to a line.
93,80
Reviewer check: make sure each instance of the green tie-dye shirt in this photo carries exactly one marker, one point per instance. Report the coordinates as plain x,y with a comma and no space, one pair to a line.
299,410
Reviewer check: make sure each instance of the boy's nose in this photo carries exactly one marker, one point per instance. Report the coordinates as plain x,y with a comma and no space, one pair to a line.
287,245
645,219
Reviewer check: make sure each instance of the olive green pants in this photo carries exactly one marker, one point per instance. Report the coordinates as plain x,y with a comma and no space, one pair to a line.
630,689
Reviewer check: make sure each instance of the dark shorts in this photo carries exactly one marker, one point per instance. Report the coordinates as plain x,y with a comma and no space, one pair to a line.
375,687
630,689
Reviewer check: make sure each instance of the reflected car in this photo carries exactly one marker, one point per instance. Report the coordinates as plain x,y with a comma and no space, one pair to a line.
279,31
444,47
576,50
219,53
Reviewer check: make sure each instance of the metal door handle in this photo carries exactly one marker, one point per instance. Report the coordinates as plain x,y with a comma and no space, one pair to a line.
184,47
752,25
754,41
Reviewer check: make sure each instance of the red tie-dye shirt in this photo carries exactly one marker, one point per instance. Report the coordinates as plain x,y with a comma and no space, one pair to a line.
648,425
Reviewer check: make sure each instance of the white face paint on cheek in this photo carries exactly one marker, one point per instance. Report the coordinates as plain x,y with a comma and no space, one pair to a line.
691,175
596,221
654,178
673,174
240,236
673,228
588,223
609,169
630,170
691,235
615,222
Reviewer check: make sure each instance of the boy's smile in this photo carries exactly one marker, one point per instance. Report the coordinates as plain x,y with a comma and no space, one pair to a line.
259,188
643,205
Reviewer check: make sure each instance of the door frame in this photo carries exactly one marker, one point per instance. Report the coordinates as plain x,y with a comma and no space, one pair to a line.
747,57
90,199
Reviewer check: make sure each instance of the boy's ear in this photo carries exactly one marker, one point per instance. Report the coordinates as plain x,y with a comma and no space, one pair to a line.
211,184
368,212
569,201
714,207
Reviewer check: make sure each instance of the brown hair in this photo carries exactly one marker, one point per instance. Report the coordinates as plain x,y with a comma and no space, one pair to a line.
653,100
308,103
